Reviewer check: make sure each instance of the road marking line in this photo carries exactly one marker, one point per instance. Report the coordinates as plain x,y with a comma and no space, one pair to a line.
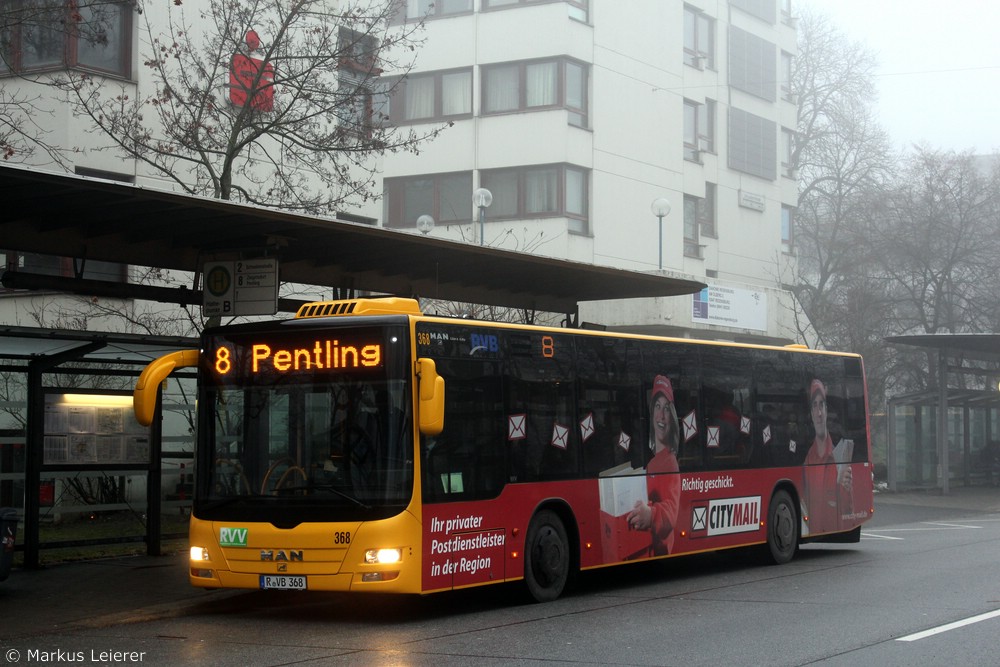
930,526
950,626
881,537
949,525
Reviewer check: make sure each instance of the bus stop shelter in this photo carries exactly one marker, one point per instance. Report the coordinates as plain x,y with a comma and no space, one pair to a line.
926,451
78,427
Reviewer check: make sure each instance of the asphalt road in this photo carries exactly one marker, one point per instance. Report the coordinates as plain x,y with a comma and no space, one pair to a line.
918,590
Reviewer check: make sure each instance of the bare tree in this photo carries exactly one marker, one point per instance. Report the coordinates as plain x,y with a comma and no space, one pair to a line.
510,240
21,135
937,242
843,160
274,102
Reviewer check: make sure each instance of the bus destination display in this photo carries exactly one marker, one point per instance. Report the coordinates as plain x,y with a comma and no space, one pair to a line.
258,358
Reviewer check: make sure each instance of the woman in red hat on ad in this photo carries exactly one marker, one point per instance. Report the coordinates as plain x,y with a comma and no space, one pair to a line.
663,485
827,485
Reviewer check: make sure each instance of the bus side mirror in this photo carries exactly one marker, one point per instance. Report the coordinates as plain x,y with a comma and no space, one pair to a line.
144,395
431,394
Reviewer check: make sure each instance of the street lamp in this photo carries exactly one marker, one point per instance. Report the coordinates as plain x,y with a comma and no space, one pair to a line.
425,224
660,208
482,198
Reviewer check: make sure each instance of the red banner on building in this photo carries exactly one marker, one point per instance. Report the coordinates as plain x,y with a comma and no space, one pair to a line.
251,79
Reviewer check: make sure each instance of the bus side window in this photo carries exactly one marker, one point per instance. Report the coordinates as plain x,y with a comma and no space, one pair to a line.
609,403
780,406
466,460
727,381
681,363
855,416
541,387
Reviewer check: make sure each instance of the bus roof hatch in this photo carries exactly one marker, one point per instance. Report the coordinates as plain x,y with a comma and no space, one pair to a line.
386,306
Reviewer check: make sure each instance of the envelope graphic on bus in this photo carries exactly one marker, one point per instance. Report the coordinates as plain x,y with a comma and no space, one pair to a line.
560,436
624,440
690,423
745,425
587,427
713,436
515,427
699,517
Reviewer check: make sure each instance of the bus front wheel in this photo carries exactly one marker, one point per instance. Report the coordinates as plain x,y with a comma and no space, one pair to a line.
546,557
782,528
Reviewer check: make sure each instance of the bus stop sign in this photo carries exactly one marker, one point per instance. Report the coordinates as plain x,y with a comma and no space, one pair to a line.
241,287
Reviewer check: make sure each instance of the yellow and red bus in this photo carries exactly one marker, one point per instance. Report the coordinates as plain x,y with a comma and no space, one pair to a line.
364,446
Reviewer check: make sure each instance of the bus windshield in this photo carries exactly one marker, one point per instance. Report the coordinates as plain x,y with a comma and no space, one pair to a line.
307,424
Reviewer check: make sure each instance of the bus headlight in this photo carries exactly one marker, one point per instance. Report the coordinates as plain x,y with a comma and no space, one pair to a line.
199,553
383,556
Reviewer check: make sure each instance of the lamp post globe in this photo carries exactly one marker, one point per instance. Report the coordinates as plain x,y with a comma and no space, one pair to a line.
482,198
660,208
425,224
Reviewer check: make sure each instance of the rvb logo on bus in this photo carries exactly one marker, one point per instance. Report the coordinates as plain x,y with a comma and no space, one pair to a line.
233,537
484,342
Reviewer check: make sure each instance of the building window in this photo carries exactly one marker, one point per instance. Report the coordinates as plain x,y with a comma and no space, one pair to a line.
358,52
765,10
787,228
357,116
415,10
752,144
699,39
706,212
430,97
45,35
788,153
578,9
445,197
576,93
786,13
699,129
691,246
752,64
537,84
358,56
539,192
786,77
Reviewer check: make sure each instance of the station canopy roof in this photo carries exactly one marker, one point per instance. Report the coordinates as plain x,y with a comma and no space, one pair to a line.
958,351
95,219
971,346
25,344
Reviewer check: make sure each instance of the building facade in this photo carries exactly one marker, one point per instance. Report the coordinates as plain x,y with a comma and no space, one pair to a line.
578,115
650,135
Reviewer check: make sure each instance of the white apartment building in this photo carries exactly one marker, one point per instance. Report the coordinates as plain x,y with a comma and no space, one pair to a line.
587,120
577,115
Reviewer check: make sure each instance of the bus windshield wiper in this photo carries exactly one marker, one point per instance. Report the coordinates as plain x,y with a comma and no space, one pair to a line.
324,487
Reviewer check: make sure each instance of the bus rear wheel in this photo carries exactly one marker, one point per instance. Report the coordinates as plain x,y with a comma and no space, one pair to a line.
546,557
782,529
